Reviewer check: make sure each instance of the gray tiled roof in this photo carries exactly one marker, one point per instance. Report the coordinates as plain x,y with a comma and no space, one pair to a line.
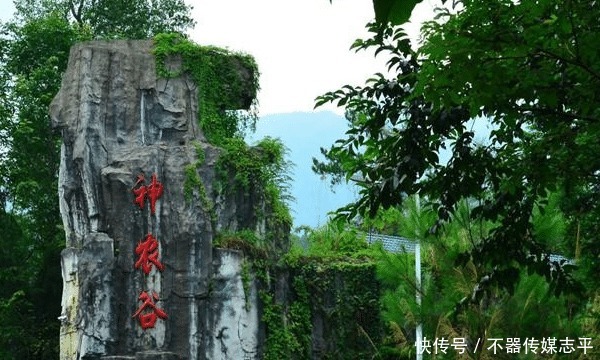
401,244
392,243
559,258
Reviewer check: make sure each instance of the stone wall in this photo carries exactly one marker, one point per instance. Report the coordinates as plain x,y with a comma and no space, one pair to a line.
124,128
141,276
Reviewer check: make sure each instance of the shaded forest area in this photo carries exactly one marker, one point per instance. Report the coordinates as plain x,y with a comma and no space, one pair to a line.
488,218
34,50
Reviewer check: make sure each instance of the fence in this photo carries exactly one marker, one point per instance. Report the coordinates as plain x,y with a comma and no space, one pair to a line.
398,244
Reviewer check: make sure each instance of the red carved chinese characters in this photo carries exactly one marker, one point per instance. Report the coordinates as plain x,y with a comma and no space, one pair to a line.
153,191
147,252
140,193
148,319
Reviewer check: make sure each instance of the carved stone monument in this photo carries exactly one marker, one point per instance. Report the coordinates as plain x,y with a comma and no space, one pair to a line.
140,277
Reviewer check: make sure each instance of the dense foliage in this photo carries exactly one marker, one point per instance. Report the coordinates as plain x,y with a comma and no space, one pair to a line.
449,308
496,209
258,177
367,295
229,81
528,70
321,300
110,19
34,50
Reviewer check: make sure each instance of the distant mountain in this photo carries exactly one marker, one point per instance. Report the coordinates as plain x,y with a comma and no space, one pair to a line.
303,134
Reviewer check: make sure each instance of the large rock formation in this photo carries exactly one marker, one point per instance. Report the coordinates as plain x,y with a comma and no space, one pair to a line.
125,130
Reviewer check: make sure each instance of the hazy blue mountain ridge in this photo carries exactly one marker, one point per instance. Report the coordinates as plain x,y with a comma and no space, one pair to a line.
304,134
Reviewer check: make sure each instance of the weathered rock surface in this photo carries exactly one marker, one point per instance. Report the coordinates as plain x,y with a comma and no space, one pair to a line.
118,120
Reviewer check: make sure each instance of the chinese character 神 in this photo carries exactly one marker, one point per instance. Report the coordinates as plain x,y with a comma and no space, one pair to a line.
147,251
140,193
148,320
153,191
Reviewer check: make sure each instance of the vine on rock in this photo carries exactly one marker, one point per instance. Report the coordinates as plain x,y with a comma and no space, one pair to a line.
260,174
342,294
226,81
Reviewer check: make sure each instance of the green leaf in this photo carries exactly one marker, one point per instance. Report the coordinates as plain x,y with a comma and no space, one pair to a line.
396,12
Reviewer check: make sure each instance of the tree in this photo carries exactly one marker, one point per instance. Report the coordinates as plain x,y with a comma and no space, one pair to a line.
105,19
34,50
529,68
527,313
395,12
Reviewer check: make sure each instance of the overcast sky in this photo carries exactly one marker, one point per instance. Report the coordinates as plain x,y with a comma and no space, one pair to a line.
301,46
302,50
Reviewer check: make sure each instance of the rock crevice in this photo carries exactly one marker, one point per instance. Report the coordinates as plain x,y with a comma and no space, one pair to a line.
123,127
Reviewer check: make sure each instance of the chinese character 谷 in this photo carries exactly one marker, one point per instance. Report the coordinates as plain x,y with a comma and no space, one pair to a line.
147,320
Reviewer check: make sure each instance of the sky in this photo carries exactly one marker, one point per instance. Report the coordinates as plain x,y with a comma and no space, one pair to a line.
303,134
301,46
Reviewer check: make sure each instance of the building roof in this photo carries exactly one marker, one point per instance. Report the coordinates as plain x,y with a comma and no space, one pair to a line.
398,244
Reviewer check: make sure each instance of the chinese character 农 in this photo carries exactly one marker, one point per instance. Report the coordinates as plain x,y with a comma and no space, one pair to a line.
148,320
147,251
153,191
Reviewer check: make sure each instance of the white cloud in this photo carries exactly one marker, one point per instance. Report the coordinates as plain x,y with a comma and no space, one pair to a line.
6,10
302,47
